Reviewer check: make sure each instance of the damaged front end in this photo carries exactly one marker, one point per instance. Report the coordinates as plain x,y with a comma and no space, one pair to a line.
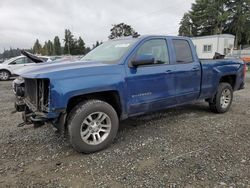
33,99
18,89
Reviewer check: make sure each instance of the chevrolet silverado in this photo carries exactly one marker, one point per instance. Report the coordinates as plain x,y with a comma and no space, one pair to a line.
119,79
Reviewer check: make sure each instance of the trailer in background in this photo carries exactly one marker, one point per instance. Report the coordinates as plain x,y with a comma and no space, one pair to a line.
207,46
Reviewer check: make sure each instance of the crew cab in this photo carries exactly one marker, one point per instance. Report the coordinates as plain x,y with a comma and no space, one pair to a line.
122,78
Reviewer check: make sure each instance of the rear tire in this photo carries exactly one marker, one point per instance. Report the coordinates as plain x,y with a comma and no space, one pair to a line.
223,98
4,75
92,125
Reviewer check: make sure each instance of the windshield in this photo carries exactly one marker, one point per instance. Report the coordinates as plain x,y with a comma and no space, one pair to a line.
110,51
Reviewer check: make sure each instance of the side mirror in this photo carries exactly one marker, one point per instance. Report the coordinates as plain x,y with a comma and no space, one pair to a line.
13,63
143,60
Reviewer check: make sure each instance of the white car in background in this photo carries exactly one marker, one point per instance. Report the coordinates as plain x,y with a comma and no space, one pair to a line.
9,66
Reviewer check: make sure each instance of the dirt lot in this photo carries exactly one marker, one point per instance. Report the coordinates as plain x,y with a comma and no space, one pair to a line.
185,146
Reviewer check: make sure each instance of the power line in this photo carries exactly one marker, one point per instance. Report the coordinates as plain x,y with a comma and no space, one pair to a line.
147,14
155,12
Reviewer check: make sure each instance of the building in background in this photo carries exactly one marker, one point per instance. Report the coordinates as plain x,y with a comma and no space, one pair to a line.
207,46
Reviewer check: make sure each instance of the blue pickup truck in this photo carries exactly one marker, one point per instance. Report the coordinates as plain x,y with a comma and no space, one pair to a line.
119,79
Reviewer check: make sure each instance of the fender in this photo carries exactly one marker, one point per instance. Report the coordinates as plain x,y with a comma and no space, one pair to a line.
64,90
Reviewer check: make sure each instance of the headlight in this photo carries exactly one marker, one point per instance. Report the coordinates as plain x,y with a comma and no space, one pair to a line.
20,79
18,86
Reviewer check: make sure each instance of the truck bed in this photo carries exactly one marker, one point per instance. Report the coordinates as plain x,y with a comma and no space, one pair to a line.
212,70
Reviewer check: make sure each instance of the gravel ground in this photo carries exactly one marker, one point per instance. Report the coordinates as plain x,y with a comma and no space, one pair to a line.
185,146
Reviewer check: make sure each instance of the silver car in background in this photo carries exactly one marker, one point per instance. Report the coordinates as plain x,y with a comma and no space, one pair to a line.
8,67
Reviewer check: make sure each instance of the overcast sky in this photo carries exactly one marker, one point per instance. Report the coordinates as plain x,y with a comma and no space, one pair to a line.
22,21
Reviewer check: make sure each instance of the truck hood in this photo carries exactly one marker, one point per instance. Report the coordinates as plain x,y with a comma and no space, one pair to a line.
61,69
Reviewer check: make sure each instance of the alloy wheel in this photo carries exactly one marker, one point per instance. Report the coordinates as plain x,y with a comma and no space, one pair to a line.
95,128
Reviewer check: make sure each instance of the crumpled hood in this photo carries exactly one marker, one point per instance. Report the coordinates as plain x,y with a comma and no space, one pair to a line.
57,69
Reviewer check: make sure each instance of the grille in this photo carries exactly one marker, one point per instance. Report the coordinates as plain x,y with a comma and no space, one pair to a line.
43,95
31,91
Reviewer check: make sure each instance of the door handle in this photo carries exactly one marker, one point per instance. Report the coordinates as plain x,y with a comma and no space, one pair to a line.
196,68
168,71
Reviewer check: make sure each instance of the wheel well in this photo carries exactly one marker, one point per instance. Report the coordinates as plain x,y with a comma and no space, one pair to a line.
229,79
6,71
111,97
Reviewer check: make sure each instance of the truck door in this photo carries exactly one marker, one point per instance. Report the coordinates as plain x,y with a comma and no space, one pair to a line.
151,87
187,72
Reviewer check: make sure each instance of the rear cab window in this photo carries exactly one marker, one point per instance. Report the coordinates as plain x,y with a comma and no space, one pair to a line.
183,51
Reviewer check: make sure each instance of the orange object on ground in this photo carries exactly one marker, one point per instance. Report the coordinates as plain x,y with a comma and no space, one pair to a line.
246,59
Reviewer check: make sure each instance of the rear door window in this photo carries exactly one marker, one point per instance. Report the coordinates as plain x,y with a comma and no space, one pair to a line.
27,60
182,51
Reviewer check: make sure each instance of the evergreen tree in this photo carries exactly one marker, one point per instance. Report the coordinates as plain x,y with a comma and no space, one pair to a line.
209,17
186,26
74,47
37,48
57,50
45,50
120,30
87,50
239,19
50,48
206,16
96,44
221,17
69,42
81,46
11,53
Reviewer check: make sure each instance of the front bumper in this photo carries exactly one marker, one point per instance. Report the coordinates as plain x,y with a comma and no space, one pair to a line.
32,112
19,105
58,120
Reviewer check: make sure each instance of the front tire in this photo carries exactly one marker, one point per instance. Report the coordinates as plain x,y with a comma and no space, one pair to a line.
92,125
223,98
4,75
